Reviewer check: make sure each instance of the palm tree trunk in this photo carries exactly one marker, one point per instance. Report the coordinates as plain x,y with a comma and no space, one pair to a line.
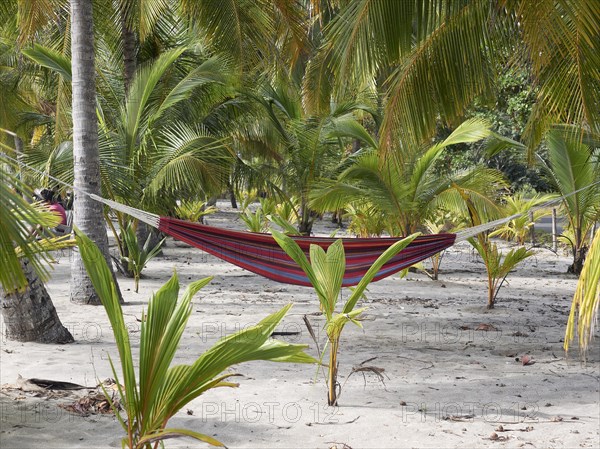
578,260
29,315
87,214
129,52
232,197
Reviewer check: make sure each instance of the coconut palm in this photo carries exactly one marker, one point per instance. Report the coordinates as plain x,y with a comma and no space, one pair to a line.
570,168
86,159
497,264
149,155
159,390
432,58
27,309
305,147
408,193
518,228
584,310
325,271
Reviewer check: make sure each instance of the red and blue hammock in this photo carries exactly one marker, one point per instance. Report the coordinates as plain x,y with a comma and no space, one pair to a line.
261,254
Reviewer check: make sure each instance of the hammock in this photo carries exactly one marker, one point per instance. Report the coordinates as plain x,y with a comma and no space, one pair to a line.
261,254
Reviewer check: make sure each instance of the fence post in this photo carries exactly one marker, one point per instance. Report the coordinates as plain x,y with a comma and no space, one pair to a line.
554,231
532,228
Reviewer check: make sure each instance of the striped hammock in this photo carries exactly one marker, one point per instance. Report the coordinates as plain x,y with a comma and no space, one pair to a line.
261,254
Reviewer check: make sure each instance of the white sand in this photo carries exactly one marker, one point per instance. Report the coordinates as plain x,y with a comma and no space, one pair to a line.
446,385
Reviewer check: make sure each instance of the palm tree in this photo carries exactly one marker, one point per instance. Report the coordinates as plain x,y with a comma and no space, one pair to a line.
518,228
149,155
305,147
433,57
584,309
407,194
27,309
86,161
574,173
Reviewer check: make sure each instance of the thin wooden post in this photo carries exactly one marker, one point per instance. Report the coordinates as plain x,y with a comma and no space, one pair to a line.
554,231
532,228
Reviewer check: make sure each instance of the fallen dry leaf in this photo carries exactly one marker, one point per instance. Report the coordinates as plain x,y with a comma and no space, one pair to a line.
527,360
486,327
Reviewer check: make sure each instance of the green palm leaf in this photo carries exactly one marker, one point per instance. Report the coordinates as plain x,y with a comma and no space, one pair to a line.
52,59
329,268
163,389
360,288
103,283
141,102
189,159
584,310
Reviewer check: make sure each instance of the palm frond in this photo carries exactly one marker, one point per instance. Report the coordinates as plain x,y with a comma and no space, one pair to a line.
138,108
563,51
190,160
34,15
50,58
433,78
18,220
584,309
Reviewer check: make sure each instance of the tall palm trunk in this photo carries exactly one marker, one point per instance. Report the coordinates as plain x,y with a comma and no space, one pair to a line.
29,315
87,214
129,52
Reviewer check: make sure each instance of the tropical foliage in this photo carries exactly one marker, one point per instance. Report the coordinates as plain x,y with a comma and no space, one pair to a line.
519,227
497,264
302,147
138,255
407,193
584,310
574,172
325,272
194,210
414,48
321,106
18,222
158,390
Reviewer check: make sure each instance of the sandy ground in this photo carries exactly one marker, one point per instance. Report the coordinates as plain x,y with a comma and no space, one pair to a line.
446,384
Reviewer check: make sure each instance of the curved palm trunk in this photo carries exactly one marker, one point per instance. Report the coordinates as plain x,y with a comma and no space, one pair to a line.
30,315
88,214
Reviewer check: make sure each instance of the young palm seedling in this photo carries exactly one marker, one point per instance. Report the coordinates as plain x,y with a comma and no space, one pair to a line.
496,266
137,258
325,272
160,390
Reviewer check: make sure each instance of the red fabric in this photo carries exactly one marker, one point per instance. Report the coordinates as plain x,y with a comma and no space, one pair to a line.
59,210
261,254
